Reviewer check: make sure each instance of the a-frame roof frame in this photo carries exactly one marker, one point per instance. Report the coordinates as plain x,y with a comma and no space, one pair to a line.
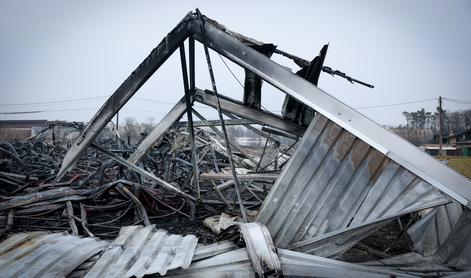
229,45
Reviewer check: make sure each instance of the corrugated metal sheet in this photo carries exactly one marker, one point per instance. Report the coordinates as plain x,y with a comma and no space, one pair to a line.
335,181
230,264
296,264
391,145
38,254
293,264
413,263
429,233
337,242
139,251
455,252
206,251
262,251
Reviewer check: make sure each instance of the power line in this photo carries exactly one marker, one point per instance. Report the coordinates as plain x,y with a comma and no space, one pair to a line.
21,112
53,101
457,100
240,83
397,104
227,66
154,100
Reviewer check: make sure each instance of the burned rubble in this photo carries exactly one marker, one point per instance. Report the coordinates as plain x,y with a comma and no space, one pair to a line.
329,193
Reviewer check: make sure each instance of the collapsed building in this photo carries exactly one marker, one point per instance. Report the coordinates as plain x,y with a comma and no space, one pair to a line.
337,200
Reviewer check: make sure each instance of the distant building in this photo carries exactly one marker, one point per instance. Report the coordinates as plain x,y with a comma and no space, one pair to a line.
19,129
433,149
12,130
453,143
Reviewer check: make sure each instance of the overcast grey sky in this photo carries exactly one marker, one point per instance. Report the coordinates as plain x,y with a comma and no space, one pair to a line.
59,50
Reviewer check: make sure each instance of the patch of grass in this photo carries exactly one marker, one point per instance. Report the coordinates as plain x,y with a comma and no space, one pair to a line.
462,164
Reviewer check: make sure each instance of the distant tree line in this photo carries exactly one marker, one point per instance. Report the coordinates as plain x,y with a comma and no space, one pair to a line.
423,125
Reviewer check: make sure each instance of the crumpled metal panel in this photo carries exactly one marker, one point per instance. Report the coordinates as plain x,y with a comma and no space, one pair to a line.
296,264
413,263
335,181
262,251
391,145
336,243
38,254
229,264
206,251
455,252
232,46
430,232
293,264
139,251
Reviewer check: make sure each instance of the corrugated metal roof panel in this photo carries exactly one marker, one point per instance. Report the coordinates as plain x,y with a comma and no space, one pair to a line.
262,251
293,264
430,232
334,181
40,254
392,145
206,251
230,264
139,251
455,252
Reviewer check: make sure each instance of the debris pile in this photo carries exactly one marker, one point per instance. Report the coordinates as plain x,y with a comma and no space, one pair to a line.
330,193
101,195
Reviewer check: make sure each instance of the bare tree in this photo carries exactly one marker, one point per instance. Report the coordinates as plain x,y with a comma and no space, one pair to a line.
131,130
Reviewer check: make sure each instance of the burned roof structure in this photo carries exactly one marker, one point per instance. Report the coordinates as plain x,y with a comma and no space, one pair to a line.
343,179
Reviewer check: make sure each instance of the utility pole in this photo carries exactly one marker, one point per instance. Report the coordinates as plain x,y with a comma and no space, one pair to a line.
117,128
117,121
440,117
408,136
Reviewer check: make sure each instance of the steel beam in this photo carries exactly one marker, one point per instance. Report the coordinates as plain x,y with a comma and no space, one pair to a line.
230,45
173,116
216,123
237,108
129,87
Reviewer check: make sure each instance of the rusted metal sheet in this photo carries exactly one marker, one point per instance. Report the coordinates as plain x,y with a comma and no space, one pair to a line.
335,181
139,251
38,254
429,233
